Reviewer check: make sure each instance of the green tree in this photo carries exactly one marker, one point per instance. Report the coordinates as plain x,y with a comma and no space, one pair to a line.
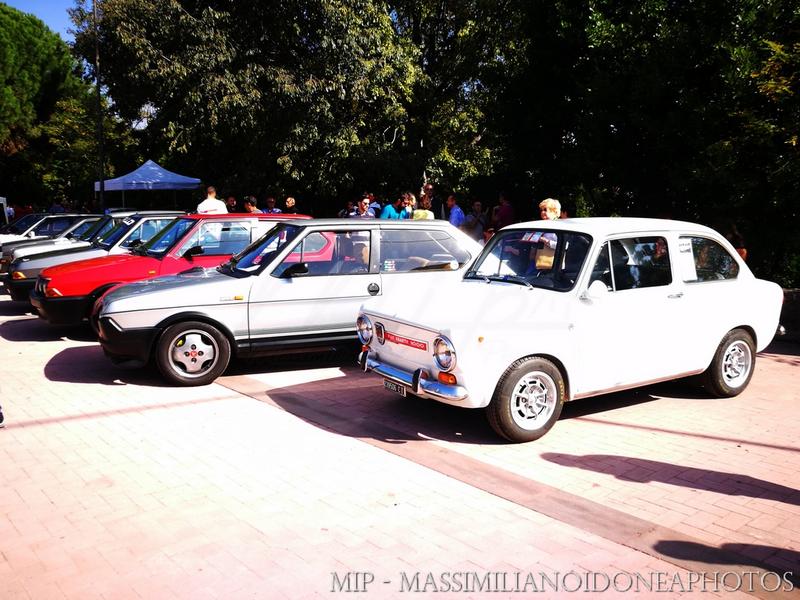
286,101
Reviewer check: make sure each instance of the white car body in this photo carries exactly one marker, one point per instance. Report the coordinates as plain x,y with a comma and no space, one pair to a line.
600,340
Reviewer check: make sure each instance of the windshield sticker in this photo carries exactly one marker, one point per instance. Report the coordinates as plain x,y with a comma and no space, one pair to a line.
129,221
404,341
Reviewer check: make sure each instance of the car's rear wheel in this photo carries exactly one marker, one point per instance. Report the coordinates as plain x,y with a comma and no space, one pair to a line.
192,353
732,367
528,400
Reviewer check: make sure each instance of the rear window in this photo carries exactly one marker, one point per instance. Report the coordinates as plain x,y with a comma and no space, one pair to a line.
404,250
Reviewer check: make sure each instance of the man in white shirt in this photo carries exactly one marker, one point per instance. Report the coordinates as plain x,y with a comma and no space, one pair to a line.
211,205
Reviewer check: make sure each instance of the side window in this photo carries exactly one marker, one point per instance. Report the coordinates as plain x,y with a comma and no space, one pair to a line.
631,263
146,230
702,259
219,238
404,250
331,253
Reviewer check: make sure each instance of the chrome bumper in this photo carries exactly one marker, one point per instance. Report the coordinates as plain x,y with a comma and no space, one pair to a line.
415,381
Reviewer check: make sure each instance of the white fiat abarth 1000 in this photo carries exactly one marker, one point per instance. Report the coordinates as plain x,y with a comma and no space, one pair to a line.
553,311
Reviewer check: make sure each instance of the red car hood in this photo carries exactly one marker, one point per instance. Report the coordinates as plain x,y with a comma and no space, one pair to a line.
84,276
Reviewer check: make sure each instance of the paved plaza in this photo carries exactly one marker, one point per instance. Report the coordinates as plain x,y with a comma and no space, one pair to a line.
300,477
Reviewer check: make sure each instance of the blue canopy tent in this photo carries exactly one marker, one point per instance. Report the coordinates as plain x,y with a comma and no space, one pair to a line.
150,176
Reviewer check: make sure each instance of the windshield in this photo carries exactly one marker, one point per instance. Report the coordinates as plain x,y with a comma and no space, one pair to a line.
533,258
106,229
160,243
119,232
23,223
82,229
95,227
264,249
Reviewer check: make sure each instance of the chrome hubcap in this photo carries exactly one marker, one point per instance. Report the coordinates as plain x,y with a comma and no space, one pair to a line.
533,400
193,353
736,364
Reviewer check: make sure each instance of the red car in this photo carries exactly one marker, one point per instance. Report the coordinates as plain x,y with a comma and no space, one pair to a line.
64,294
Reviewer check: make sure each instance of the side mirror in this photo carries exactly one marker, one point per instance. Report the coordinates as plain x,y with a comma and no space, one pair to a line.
296,269
595,291
192,252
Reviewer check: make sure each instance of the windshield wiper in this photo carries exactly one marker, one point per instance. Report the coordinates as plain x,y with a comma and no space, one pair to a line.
476,275
512,279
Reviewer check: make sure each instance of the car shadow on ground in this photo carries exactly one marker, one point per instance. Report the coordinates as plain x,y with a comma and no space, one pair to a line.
35,329
639,470
9,308
756,555
356,405
88,364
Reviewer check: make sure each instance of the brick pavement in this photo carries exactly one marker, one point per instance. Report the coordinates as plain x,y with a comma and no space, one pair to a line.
116,486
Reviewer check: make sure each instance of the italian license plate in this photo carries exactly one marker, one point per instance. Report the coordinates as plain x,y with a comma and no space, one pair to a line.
394,387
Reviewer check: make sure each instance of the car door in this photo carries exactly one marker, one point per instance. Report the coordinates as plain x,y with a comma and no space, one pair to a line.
317,288
711,301
633,332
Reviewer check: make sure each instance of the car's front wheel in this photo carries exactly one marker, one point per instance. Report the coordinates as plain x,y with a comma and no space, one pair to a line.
192,353
528,400
732,367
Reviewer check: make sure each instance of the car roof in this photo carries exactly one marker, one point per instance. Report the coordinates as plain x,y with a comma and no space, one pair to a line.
408,223
247,215
604,226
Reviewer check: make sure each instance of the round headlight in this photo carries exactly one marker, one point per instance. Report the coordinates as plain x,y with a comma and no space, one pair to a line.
364,327
444,354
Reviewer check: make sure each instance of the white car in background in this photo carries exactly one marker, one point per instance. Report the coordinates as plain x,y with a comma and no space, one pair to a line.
554,311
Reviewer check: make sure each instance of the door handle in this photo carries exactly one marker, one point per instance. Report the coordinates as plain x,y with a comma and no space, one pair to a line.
678,295
373,289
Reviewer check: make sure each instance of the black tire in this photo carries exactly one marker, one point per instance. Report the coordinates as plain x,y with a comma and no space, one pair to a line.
192,353
733,364
512,413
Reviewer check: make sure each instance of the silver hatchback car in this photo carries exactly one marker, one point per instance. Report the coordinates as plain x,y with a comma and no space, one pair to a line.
298,287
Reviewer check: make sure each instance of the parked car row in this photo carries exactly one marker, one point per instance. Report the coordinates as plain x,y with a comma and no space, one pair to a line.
547,312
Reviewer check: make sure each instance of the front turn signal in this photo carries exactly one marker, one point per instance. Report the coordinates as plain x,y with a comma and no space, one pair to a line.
53,293
17,275
447,378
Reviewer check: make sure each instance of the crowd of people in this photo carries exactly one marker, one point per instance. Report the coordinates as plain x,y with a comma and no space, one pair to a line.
478,221
213,205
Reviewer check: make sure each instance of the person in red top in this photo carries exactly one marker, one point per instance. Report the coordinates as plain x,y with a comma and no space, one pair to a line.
503,213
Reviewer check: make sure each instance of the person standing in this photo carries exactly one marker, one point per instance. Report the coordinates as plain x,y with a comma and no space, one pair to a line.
290,206
456,217
394,210
250,205
503,213
211,205
231,204
363,211
475,222
271,208
348,210
549,209
436,205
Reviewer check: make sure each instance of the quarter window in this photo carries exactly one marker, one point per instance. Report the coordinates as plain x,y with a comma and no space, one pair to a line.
703,259
404,250
218,238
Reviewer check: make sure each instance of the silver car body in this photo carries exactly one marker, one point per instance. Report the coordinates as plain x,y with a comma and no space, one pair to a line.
266,311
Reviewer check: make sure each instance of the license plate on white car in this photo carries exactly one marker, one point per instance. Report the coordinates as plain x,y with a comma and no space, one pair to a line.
394,387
